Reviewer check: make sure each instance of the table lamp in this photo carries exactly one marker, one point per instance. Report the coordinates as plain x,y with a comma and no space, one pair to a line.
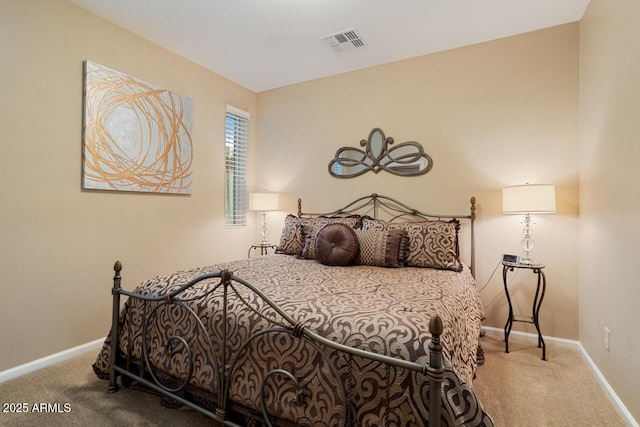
527,200
264,202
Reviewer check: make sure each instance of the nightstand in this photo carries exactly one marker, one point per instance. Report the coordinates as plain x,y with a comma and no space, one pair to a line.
264,248
541,286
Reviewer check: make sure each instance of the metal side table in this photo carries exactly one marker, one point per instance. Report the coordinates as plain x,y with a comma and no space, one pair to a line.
264,248
537,302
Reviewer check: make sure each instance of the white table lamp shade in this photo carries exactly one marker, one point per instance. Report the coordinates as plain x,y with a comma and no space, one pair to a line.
264,202
533,199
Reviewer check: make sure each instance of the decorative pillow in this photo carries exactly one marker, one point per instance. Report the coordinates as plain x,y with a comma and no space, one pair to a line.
382,248
292,240
309,235
432,244
336,244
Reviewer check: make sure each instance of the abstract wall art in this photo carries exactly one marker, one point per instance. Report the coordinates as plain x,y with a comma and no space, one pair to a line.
137,137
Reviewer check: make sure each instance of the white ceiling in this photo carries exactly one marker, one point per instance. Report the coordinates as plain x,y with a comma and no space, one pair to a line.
265,44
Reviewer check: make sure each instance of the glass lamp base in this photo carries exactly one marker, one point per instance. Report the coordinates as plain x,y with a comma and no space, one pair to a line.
527,244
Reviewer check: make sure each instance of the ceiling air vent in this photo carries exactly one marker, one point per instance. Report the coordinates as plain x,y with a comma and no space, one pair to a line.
344,40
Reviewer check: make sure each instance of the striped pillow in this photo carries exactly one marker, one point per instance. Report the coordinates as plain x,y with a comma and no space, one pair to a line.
382,248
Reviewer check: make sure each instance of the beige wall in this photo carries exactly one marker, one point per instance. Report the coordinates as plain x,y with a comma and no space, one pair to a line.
609,192
490,115
58,243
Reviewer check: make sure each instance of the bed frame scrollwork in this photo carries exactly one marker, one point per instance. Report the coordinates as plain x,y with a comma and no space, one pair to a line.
225,363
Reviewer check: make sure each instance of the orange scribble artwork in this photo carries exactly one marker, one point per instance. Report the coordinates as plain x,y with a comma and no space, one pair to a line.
137,137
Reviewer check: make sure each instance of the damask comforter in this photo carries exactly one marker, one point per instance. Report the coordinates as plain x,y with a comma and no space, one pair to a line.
383,310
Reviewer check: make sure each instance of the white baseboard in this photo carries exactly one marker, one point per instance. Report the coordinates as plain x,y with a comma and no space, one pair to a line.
613,397
608,391
562,342
18,371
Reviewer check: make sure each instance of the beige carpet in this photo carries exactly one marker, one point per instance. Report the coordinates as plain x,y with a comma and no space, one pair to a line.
517,389
74,382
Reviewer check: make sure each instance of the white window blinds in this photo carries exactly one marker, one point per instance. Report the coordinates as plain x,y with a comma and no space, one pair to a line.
236,139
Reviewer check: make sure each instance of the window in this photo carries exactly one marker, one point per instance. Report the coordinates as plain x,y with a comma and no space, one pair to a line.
235,188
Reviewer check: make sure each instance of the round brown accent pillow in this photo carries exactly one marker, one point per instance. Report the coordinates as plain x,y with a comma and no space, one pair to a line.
336,244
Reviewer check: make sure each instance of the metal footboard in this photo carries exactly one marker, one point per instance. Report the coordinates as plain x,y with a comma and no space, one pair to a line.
226,364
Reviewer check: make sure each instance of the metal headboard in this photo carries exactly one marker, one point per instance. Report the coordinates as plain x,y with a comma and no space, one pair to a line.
376,204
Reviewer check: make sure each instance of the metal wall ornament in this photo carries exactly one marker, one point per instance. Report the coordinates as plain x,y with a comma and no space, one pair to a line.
404,159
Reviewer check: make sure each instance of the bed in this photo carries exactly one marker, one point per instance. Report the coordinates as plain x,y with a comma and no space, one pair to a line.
365,316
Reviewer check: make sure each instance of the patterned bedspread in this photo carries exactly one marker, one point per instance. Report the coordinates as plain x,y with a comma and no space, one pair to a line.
384,310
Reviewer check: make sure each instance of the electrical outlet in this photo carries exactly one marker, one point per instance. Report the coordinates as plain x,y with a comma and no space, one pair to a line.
607,336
